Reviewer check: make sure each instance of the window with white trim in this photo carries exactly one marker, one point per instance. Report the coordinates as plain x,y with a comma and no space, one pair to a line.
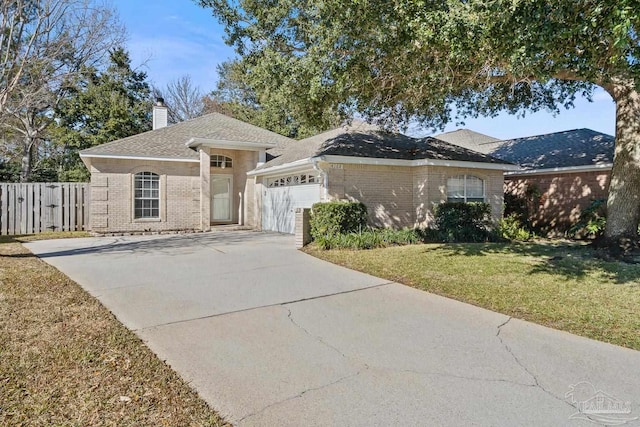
146,195
465,188
286,181
220,161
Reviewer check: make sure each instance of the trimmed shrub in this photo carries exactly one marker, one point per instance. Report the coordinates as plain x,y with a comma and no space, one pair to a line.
332,218
463,222
511,228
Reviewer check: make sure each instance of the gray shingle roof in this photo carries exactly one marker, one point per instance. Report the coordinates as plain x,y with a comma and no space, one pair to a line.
169,142
579,147
470,140
363,140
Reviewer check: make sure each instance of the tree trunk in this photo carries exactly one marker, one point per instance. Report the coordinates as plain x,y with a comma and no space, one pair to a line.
623,204
27,158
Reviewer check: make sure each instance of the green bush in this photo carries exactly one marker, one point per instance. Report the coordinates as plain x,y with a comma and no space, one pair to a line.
332,218
463,222
369,239
511,228
591,222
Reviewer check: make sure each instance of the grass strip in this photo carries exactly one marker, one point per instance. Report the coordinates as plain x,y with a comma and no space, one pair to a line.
560,285
66,360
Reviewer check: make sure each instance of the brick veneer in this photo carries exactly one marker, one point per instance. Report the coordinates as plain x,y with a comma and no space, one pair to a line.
560,198
180,192
398,196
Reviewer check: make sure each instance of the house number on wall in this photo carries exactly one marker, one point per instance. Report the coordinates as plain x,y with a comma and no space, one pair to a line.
336,166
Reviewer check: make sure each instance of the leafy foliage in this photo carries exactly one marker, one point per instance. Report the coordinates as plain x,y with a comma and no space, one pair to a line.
369,239
46,45
510,227
440,61
333,218
259,99
463,222
522,206
104,106
397,60
591,222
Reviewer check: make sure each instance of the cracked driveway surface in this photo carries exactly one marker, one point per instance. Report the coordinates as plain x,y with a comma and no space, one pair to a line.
271,336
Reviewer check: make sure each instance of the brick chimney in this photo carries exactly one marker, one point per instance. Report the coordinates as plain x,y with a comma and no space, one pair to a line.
159,114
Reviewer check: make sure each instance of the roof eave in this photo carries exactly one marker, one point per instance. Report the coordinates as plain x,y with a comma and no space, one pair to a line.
221,143
87,156
419,162
566,169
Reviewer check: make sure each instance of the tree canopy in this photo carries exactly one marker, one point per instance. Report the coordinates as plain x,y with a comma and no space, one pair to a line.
103,106
260,100
44,47
440,60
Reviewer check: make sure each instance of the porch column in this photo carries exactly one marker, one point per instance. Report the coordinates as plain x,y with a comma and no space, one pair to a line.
205,189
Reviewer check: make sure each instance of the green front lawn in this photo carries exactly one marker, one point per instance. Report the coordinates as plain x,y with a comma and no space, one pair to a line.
557,285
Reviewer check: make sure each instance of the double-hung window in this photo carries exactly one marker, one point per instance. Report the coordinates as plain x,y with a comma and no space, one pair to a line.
146,198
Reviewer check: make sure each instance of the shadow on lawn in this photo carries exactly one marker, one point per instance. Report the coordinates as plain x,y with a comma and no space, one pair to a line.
572,260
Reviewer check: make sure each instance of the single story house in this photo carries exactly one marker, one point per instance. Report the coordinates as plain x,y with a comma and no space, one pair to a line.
218,170
562,172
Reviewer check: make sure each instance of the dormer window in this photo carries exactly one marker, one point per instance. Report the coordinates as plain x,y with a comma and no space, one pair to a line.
222,162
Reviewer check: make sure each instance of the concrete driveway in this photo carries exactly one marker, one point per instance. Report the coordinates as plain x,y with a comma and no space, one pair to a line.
271,336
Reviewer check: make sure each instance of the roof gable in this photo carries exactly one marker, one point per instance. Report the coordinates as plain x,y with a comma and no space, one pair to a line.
169,142
470,140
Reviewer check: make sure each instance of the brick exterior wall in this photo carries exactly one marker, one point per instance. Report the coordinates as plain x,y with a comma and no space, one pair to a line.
556,200
395,196
180,193
398,196
112,195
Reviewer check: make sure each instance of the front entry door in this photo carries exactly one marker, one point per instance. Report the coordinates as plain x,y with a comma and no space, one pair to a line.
221,197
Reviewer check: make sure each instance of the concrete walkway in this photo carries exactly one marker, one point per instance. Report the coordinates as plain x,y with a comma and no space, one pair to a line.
271,336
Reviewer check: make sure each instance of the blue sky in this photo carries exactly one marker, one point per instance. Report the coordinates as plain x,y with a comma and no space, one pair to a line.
171,38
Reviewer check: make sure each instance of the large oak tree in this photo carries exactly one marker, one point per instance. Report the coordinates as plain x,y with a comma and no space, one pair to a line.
439,60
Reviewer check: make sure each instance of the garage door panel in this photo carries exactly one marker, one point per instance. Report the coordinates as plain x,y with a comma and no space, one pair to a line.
280,203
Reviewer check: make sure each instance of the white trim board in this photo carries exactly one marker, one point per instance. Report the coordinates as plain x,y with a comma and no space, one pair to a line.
155,159
303,164
221,143
568,169
418,162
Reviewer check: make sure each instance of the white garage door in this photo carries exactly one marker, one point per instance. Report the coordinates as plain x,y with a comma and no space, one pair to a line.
281,198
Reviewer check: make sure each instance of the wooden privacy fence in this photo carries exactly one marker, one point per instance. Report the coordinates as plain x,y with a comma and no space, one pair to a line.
38,207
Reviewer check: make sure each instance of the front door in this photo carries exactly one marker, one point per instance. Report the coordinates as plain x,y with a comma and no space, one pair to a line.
221,197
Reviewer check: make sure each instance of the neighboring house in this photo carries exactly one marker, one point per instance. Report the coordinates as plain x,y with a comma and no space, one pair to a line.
218,170
562,174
